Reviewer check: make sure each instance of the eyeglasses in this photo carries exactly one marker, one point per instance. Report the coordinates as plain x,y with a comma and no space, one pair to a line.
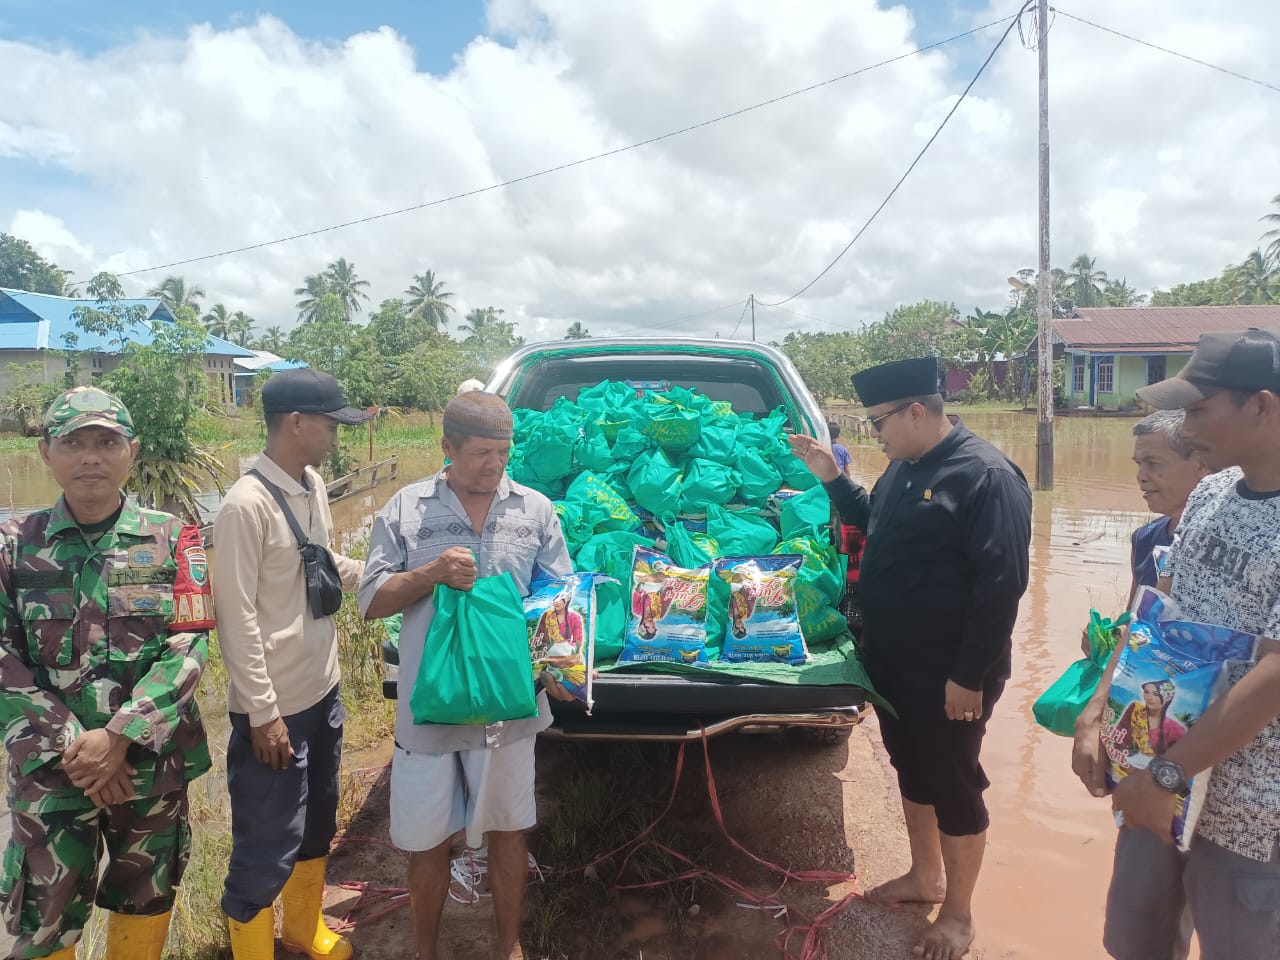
877,421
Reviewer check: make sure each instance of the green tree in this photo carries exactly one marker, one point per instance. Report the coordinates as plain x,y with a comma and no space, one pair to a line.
1255,280
176,294
272,339
29,396
913,330
240,329
163,385
21,268
397,330
1273,248
577,331
1118,293
428,300
311,293
490,338
218,321
342,282
1087,282
825,361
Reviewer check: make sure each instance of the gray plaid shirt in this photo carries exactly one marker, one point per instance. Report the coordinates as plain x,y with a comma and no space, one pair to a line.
521,536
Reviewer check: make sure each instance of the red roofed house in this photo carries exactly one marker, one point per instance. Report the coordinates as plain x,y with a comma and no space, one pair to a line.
1113,351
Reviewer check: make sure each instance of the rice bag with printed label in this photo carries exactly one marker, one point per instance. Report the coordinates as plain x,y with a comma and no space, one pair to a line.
1168,673
763,625
668,612
560,618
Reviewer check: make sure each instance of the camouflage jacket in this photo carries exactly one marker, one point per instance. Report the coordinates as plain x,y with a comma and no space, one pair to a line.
86,644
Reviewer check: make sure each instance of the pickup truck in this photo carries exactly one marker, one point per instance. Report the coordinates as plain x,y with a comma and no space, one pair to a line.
640,704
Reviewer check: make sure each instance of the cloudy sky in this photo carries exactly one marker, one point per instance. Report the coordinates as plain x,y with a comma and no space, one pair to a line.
131,139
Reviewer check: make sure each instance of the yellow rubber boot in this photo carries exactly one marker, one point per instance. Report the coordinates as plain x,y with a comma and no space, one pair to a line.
303,929
66,953
255,939
131,937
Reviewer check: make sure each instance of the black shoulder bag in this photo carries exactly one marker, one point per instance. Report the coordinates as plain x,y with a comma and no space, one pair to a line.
324,584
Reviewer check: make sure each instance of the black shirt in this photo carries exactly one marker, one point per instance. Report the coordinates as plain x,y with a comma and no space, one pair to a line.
945,564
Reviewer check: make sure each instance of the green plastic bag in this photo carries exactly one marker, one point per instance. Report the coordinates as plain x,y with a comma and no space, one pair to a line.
611,554
759,477
611,618
1059,707
707,482
603,508
688,549
594,451
547,446
576,530
475,662
794,473
628,444
807,515
718,441
655,483
819,620
740,533
671,426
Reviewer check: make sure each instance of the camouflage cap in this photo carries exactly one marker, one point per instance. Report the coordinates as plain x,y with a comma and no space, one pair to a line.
87,407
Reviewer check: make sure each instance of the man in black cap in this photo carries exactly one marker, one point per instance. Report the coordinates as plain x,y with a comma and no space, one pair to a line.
282,673
1224,568
948,529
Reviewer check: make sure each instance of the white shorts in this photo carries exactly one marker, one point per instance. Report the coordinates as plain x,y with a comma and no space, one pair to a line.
434,795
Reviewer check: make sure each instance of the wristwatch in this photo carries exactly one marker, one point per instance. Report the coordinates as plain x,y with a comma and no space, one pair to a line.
1168,775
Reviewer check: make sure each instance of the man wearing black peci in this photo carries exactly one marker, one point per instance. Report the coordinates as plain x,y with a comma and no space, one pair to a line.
948,529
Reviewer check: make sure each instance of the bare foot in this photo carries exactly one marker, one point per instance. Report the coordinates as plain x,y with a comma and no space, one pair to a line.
948,938
515,953
908,888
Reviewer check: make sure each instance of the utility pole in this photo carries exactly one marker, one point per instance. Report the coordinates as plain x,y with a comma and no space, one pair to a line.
1044,420
753,318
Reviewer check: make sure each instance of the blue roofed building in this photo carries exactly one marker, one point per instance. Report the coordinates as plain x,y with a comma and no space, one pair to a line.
39,327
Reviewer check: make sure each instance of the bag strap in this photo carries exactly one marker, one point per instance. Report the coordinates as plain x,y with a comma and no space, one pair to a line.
288,514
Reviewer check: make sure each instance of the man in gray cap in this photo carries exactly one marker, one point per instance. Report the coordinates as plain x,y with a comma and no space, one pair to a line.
948,529
1224,568
281,658
469,520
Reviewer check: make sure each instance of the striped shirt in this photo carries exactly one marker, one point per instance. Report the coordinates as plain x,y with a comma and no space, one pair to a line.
521,536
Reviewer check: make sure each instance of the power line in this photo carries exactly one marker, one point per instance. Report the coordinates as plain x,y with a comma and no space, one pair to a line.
573,163
919,156
696,316
740,316
1173,53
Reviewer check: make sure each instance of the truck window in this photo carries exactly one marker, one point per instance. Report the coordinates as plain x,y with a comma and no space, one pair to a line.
746,384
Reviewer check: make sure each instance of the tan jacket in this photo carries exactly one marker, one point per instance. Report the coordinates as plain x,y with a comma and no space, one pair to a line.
279,659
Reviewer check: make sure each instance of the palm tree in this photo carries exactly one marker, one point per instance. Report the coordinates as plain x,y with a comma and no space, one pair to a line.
241,328
1118,293
312,292
577,331
218,321
175,293
1255,280
1087,283
273,339
428,300
1273,249
480,321
341,275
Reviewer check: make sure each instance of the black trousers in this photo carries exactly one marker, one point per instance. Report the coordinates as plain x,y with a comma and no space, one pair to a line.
937,759
279,817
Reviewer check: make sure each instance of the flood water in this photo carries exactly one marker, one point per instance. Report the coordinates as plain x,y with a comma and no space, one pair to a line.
1044,882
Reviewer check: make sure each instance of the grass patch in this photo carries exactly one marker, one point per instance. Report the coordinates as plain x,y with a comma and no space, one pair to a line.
198,930
17,443
597,808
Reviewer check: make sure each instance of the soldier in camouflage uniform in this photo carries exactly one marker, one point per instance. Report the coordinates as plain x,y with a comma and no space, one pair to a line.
105,614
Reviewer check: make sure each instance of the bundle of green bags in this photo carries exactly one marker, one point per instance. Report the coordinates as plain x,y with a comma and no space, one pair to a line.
675,470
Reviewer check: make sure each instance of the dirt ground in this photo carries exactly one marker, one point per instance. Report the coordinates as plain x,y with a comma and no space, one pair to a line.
798,804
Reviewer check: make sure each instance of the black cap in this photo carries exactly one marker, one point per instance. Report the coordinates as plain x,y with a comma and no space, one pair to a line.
309,391
1246,360
888,382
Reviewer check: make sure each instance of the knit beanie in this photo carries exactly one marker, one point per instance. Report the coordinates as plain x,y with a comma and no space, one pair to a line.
478,414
